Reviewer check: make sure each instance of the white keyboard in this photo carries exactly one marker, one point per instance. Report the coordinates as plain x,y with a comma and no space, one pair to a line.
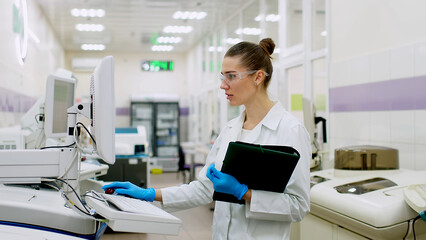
133,205
126,214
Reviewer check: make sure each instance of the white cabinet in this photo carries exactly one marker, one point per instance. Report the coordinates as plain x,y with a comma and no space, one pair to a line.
312,227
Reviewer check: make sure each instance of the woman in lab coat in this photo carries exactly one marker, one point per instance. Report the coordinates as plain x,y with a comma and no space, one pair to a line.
246,73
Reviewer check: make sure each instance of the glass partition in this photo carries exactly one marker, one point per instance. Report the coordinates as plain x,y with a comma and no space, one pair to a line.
318,25
212,52
272,19
231,32
203,57
296,84
251,23
319,80
294,23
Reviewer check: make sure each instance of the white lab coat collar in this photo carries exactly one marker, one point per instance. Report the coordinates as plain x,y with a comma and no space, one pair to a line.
271,121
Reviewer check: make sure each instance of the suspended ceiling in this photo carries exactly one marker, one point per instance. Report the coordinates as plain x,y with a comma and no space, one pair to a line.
133,25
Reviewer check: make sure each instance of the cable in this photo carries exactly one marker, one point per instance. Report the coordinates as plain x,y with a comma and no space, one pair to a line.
88,132
73,204
75,193
414,221
408,230
52,186
87,212
91,212
37,115
78,145
57,146
421,215
98,197
90,151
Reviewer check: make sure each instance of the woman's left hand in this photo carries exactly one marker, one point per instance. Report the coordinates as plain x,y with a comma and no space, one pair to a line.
226,183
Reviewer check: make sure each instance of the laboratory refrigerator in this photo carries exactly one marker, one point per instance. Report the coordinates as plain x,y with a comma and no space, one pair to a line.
161,121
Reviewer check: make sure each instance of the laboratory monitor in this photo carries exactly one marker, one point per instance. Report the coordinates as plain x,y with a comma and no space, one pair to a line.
60,95
103,109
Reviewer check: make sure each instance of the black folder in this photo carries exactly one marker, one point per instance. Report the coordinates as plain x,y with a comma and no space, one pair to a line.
260,167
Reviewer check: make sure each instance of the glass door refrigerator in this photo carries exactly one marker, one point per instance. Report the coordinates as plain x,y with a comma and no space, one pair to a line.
161,122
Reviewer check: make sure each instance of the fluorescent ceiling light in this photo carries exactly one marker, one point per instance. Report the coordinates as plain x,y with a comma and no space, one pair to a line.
232,41
324,33
248,31
215,49
189,15
268,18
177,29
75,12
90,27
169,39
93,47
162,48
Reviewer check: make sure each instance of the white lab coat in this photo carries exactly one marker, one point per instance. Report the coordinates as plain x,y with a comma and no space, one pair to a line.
269,215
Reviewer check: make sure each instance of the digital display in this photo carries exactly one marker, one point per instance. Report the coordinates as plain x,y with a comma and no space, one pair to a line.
63,99
156,66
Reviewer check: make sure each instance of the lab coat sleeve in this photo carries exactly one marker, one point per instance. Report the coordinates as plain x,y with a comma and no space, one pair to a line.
194,194
293,204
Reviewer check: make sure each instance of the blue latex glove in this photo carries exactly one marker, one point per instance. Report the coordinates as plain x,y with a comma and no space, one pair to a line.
226,183
129,189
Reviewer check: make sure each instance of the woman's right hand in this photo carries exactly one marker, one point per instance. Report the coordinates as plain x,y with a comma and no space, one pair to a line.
131,190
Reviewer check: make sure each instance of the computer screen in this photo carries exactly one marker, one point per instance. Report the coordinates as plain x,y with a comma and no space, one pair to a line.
60,95
103,109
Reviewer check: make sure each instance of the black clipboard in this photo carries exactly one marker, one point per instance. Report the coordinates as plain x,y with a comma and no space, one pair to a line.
260,167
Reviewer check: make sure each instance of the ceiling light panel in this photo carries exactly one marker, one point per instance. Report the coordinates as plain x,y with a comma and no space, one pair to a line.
128,22
189,15
232,41
248,31
90,27
169,39
83,12
177,29
93,47
162,48
268,18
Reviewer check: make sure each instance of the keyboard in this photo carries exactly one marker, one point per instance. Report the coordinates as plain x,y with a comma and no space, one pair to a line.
126,214
133,205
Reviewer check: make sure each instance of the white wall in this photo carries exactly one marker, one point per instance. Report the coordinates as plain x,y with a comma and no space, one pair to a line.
22,85
377,42
359,27
130,79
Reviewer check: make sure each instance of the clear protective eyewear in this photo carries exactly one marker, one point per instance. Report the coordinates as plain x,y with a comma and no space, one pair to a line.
230,77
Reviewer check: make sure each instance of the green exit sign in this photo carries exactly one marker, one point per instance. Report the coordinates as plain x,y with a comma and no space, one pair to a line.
156,66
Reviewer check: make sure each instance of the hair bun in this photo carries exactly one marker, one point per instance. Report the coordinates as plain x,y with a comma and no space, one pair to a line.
268,45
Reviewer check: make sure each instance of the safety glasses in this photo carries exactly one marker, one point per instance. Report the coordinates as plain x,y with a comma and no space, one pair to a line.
232,76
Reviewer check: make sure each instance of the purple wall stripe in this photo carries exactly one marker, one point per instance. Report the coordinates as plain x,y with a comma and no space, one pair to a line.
13,102
124,111
184,111
399,94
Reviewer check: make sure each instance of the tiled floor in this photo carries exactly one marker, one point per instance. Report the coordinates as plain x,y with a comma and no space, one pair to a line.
196,223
